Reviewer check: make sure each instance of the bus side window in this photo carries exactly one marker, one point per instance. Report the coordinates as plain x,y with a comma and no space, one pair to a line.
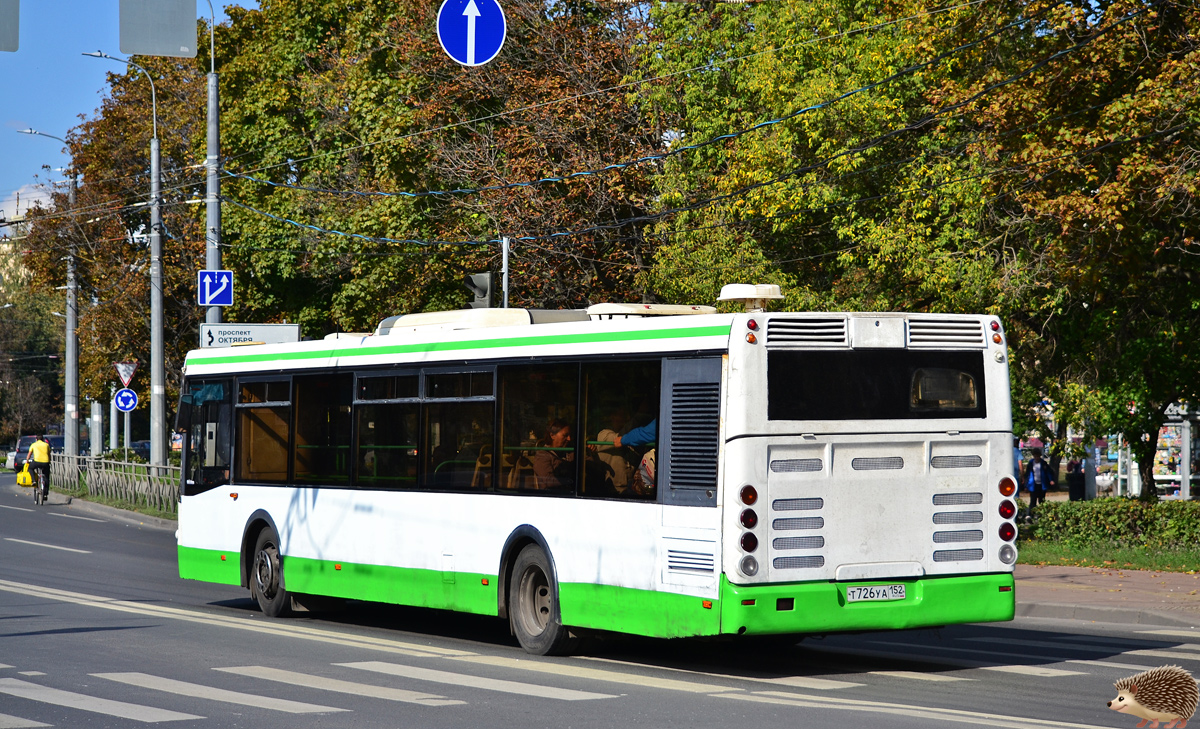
264,413
321,442
622,399
208,436
459,417
538,447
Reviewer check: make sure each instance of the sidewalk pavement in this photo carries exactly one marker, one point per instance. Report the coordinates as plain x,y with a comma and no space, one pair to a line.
1108,595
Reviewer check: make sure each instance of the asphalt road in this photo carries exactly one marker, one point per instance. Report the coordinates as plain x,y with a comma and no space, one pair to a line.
97,630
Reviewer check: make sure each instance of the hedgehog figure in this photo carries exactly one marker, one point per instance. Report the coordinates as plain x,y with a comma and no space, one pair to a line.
1167,693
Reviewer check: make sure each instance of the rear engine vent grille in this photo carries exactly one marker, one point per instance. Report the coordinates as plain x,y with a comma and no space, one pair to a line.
695,434
800,542
958,555
945,333
956,462
797,504
807,522
957,499
683,561
796,563
795,333
958,517
797,465
967,535
877,464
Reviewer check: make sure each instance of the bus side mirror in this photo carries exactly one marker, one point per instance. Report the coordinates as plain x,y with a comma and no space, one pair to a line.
183,417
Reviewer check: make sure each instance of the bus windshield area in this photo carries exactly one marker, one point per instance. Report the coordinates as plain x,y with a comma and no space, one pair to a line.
874,385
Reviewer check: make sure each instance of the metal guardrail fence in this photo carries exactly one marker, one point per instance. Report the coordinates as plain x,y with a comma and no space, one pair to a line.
137,483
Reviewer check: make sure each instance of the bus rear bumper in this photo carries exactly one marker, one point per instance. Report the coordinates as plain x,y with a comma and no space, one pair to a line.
822,607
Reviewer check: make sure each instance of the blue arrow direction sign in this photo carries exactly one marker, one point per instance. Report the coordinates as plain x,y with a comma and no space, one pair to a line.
471,31
214,288
126,399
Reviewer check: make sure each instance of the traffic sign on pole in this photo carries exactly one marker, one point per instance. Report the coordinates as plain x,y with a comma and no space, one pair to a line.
471,31
214,288
126,399
10,14
125,371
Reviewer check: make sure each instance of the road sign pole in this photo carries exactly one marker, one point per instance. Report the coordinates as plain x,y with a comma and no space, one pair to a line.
212,254
112,420
127,435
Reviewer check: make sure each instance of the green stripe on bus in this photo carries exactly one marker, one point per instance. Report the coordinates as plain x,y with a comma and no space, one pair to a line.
588,338
463,591
210,565
819,607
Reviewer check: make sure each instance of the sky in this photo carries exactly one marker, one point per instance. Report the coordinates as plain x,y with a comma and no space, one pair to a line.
47,84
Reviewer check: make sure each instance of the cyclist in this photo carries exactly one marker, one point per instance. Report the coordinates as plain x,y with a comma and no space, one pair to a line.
39,463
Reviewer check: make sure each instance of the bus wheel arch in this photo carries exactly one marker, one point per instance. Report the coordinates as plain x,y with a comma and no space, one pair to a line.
257,522
532,599
520,538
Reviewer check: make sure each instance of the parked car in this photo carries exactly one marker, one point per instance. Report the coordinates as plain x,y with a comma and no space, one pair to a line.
141,448
18,456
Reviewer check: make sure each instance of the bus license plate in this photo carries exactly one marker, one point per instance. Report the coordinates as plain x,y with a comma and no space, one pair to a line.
875,592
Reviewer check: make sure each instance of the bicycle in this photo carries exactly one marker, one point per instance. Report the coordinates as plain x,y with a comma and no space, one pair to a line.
39,484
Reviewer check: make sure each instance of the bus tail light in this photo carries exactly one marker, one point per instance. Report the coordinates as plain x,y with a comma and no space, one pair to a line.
1008,532
752,325
749,519
749,542
749,566
749,495
1007,509
1008,554
1008,487
751,338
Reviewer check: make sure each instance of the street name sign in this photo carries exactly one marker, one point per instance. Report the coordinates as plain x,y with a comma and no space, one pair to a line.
125,371
227,335
126,399
214,288
471,31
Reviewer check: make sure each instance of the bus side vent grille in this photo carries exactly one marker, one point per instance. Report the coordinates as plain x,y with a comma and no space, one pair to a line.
682,561
958,517
945,333
798,504
877,464
796,563
957,499
807,522
695,434
797,465
957,555
802,542
795,333
956,462
967,535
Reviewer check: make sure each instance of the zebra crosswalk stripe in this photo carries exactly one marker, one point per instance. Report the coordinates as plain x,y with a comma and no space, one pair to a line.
200,691
480,682
83,702
16,722
346,687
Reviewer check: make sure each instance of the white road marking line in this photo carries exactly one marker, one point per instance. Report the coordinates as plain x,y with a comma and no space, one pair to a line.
16,508
5,665
16,722
480,682
72,516
344,687
597,674
200,691
255,626
30,673
797,681
920,676
1165,654
83,702
1177,633
1100,646
935,660
1110,664
47,546
921,712
1030,670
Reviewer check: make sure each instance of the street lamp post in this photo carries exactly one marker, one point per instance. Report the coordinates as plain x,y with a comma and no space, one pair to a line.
71,385
158,390
212,251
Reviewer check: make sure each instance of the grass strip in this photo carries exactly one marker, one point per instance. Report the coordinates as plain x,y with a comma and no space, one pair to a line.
1131,558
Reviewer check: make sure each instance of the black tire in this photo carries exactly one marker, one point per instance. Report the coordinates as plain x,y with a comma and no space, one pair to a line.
266,576
533,612
37,493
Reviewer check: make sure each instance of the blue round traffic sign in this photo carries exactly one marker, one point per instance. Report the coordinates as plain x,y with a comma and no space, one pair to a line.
126,399
471,31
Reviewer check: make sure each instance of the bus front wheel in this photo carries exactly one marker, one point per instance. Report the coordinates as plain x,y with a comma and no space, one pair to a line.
266,580
533,611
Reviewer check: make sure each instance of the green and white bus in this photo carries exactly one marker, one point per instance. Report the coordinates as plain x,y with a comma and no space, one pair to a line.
655,470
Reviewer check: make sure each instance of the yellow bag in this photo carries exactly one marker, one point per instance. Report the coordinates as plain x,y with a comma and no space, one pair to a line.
25,478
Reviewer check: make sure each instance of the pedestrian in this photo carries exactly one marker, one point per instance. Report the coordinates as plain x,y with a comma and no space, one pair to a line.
1038,479
1075,487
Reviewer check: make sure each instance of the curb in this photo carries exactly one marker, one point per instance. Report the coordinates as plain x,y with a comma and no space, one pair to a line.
1093,613
57,498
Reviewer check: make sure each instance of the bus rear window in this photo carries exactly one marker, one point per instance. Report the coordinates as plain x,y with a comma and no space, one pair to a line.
874,385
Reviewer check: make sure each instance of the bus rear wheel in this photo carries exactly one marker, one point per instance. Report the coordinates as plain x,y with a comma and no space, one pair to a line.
266,578
533,611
